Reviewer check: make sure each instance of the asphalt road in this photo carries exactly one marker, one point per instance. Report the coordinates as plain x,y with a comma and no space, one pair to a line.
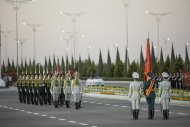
95,112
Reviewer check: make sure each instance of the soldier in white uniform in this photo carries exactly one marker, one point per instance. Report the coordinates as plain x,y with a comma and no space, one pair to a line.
67,90
165,94
55,90
76,88
134,95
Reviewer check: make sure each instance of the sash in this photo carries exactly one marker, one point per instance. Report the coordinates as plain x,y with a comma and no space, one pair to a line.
150,88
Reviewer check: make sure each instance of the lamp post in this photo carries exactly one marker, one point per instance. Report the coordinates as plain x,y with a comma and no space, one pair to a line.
73,17
22,41
0,51
157,15
166,40
16,4
6,33
33,26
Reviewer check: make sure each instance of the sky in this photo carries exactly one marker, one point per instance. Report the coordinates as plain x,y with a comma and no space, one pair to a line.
103,24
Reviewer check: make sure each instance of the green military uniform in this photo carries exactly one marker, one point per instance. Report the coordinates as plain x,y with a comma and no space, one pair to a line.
19,88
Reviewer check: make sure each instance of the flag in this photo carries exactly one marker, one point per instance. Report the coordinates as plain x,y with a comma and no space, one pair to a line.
187,77
148,65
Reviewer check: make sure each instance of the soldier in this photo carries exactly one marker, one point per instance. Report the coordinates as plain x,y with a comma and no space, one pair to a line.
61,96
31,89
48,89
36,90
40,89
45,89
134,95
76,88
149,92
19,83
27,89
165,94
67,90
55,90
23,89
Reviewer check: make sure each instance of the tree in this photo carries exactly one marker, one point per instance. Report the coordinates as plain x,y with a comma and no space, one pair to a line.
72,63
153,59
186,64
100,66
172,58
49,66
166,67
79,69
54,64
67,63
109,66
133,68
125,63
118,71
161,63
13,66
62,65
45,65
179,64
142,63
3,68
8,66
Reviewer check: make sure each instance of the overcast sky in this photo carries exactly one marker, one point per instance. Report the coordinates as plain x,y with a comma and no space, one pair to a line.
103,24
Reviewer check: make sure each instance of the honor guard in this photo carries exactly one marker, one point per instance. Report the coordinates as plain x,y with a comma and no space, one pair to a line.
149,92
55,90
165,94
27,89
19,85
134,95
61,95
67,90
76,88
44,82
36,90
31,89
48,89
40,89
23,89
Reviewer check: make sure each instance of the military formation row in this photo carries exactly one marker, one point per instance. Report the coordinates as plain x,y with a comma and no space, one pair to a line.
47,89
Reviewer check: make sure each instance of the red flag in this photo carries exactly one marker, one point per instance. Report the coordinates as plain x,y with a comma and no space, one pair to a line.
148,64
187,76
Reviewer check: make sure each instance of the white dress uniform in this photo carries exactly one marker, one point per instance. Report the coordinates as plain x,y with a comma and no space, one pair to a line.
55,90
134,94
165,94
77,90
67,91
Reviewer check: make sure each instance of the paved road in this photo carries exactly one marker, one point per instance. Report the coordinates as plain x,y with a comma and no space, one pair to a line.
95,112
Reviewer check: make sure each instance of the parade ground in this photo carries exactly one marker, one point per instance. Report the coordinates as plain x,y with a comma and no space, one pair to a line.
95,112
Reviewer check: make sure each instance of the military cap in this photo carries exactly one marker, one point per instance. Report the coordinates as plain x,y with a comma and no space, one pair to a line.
165,75
150,74
135,75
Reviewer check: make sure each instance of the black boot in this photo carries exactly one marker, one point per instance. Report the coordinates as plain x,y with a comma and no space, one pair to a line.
134,111
56,104
167,114
152,115
164,114
67,104
76,105
80,104
137,114
149,114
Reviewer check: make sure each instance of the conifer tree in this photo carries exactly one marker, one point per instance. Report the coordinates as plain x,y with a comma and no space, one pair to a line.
125,63
142,63
100,66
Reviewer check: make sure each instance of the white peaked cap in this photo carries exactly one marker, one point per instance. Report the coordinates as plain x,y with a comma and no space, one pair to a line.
135,75
165,75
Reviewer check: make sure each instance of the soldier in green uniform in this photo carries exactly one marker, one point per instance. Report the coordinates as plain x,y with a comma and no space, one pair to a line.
45,89
23,89
67,90
55,90
76,88
31,89
48,89
40,89
149,92
61,96
36,90
27,89
19,83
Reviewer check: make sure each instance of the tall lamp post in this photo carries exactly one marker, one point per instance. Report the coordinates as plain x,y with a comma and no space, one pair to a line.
16,4
73,17
165,42
157,15
33,26
6,33
126,5
22,41
0,51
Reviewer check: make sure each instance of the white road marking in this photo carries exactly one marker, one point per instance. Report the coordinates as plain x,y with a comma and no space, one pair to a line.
43,115
52,117
16,109
144,109
22,110
36,113
10,108
83,124
115,105
106,104
29,112
92,102
61,119
72,122
85,101
183,114
170,112
94,126
157,110
124,106
99,103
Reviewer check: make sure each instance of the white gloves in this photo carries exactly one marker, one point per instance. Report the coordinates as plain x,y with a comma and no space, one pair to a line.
159,99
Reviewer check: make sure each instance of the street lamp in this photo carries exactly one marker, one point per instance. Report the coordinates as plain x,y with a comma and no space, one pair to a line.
126,5
22,41
157,15
166,40
33,26
6,33
73,17
16,4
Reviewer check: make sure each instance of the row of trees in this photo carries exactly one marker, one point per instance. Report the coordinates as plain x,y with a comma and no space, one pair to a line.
87,67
